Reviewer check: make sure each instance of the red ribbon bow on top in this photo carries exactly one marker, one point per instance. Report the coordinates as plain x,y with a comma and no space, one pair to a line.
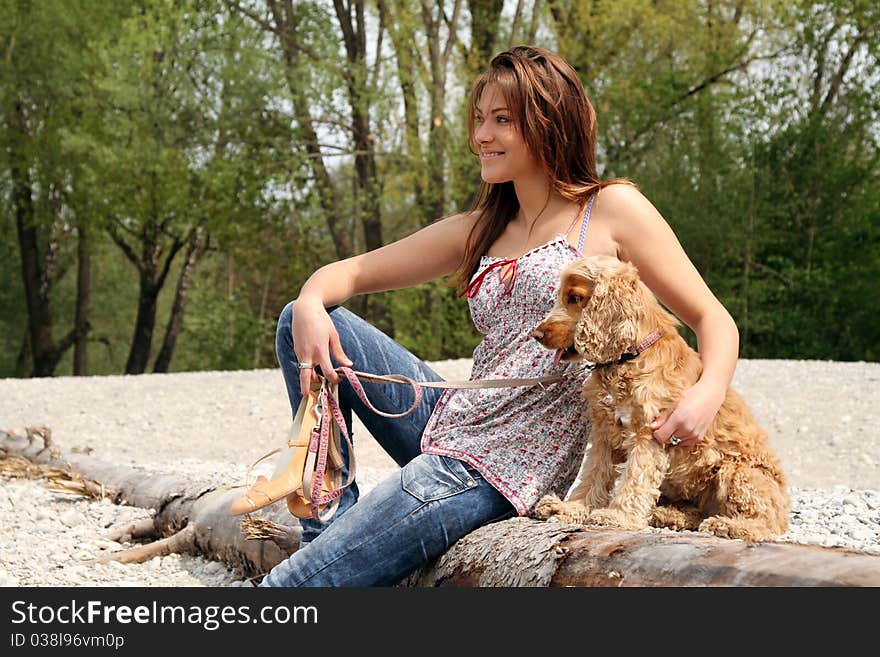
474,286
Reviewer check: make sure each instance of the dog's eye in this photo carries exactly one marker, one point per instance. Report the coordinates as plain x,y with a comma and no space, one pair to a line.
574,299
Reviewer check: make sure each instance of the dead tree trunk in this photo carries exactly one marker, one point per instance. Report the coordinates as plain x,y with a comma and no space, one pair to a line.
517,552
526,552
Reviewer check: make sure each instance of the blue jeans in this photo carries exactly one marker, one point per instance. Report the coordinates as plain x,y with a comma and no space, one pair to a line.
414,515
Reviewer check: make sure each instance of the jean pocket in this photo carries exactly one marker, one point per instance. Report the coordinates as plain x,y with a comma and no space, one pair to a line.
432,477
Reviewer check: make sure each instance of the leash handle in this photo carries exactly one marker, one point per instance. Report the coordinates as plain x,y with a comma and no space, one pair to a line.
354,379
316,461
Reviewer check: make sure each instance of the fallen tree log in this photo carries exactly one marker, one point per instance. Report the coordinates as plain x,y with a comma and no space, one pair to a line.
202,508
526,552
194,517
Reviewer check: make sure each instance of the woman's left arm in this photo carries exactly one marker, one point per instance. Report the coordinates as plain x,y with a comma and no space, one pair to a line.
645,239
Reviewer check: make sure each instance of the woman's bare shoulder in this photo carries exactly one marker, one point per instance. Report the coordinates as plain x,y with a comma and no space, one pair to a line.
456,227
621,197
628,210
467,218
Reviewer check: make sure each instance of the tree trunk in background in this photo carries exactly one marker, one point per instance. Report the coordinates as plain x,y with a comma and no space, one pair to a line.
404,49
485,17
23,361
439,54
151,276
438,58
142,339
83,293
197,244
369,189
284,26
39,314
35,267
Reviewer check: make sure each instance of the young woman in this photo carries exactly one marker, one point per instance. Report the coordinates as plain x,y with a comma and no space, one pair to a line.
471,457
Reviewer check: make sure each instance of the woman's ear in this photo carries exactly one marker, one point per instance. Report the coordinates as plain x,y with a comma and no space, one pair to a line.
608,325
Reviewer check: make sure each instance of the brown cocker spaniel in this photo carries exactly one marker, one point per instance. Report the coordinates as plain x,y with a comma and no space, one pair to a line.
730,484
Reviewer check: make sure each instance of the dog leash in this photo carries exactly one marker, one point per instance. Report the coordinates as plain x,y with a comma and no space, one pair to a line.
319,444
354,378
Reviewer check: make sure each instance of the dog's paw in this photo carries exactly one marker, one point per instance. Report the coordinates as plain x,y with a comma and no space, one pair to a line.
572,516
616,518
552,509
716,525
745,529
547,506
674,518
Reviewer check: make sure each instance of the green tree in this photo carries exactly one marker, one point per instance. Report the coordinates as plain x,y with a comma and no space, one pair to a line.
44,74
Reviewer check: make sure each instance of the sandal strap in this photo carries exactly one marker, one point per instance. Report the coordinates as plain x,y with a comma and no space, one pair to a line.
316,461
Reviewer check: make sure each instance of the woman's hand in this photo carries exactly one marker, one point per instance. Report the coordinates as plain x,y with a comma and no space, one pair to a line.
314,338
692,416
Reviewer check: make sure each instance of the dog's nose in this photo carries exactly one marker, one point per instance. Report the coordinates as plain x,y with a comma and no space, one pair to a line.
537,334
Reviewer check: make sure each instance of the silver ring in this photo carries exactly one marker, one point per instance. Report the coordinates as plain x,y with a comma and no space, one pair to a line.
305,366
674,440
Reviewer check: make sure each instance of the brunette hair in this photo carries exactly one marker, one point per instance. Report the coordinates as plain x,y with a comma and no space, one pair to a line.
557,122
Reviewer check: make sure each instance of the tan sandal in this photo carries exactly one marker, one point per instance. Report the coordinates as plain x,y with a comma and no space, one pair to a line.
288,474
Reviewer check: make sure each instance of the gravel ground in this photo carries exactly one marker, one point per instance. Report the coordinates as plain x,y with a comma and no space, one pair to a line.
820,416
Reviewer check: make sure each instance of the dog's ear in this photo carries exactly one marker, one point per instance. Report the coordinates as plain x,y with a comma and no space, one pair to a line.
575,291
608,325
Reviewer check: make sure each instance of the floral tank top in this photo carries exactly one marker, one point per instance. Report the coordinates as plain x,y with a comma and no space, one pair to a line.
525,441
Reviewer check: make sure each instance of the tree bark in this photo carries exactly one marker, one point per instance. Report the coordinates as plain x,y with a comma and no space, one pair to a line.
514,552
526,552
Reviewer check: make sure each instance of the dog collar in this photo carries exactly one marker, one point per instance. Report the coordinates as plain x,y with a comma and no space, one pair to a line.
629,355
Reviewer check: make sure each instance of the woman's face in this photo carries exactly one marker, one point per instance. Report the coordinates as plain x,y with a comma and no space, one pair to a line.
504,155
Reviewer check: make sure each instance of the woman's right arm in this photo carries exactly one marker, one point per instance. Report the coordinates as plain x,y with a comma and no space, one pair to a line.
432,252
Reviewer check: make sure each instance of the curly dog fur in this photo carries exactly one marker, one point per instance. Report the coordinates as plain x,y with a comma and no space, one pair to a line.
731,484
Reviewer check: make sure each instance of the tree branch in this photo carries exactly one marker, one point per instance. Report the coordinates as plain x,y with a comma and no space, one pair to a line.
122,244
837,80
166,266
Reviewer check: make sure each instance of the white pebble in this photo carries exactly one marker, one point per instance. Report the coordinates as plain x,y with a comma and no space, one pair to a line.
70,518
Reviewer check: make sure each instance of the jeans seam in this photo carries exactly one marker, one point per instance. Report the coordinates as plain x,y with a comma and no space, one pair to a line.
455,491
371,538
464,484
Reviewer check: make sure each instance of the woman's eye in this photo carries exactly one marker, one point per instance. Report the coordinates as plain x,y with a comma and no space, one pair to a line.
503,119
